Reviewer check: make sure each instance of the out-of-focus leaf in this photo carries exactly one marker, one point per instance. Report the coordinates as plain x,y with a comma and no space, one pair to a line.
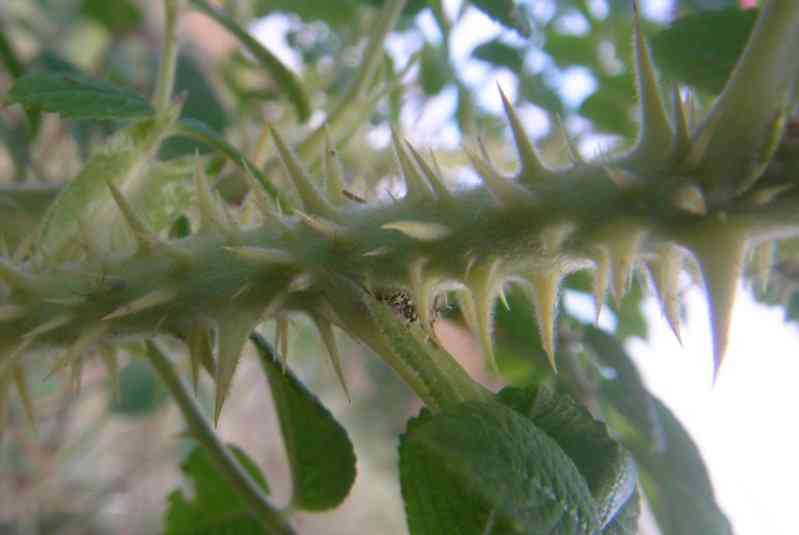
140,391
484,468
500,54
8,56
623,388
568,50
282,75
702,49
118,16
534,89
631,320
338,13
319,451
434,70
77,96
202,104
214,508
608,112
510,13
678,486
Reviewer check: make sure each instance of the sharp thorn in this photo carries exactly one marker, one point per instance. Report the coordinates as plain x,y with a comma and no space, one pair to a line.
531,167
545,286
329,339
419,230
601,276
505,192
665,270
49,326
153,299
324,227
312,200
434,177
418,188
84,342
263,256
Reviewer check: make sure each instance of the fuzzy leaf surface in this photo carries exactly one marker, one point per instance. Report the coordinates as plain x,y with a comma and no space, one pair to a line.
320,453
482,467
607,467
77,96
214,508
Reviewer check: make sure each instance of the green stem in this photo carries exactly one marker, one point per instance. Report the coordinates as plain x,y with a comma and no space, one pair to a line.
201,430
169,58
353,100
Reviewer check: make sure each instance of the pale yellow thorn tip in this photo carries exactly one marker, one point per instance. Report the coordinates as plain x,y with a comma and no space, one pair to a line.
720,253
420,289
329,339
623,253
210,218
482,283
689,198
665,270
262,255
763,257
140,230
419,230
545,285
601,276
324,227
622,179
150,300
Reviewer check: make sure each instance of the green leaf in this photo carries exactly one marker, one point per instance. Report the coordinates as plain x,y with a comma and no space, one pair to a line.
482,467
77,96
119,16
678,485
8,56
500,54
624,389
626,521
201,104
609,106
281,74
319,451
701,50
510,13
214,508
434,70
568,50
140,391
338,13
606,466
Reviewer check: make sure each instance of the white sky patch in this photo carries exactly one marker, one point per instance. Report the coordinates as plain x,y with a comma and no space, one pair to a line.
271,32
745,424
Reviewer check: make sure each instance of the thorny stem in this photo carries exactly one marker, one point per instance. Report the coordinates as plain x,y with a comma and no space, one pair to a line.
201,430
169,58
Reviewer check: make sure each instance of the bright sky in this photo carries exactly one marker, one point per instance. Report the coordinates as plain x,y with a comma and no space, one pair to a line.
745,424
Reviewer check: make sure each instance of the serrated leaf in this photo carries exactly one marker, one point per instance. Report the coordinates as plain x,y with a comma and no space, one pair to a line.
140,391
701,50
320,453
481,467
76,96
281,74
214,508
118,16
512,14
606,466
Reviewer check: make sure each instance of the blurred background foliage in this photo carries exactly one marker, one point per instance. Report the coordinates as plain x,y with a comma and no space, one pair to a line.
106,458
